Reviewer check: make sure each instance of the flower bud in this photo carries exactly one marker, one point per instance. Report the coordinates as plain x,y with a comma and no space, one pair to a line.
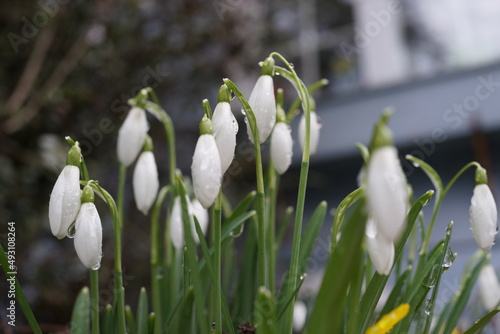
88,233
281,147
206,168
131,136
225,128
202,216
145,181
386,192
380,249
313,135
64,202
263,104
489,288
483,217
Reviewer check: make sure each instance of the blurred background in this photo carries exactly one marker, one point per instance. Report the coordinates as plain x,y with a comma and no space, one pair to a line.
68,68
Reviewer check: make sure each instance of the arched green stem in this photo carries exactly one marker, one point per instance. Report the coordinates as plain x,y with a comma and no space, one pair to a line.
119,293
437,205
304,170
260,183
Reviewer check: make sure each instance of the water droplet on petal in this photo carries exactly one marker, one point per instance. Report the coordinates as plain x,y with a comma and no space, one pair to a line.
415,164
97,266
71,231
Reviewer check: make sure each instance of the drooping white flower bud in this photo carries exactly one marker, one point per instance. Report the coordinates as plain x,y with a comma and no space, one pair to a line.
483,213
281,147
206,167
299,315
64,202
88,232
131,136
225,128
313,135
263,104
202,216
386,192
380,249
145,180
489,288
176,224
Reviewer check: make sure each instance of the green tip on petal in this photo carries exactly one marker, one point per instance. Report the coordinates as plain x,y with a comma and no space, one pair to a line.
224,94
206,126
74,156
481,176
382,135
87,194
268,67
148,144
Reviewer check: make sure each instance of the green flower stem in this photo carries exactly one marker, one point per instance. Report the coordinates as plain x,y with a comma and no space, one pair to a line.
156,264
304,169
20,297
439,200
168,125
260,184
217,263
273,182
94,300
121,192
119,293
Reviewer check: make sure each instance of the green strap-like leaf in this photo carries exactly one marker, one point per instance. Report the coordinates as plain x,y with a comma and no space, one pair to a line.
142,312
265,313
80,318
483,321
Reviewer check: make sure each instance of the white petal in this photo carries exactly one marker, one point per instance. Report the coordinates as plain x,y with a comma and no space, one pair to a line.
88,236
313,135
299,315
64,202
263,105
483,216
131,136
386,192
489,288
202,216
281,147
145,182
176,230
380,249
206,170
225,128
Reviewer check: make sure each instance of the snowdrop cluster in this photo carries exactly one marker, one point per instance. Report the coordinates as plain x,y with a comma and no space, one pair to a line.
67,203
132,139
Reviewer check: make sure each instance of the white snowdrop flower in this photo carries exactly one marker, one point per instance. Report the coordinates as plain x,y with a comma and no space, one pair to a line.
145,181
206,167
489,288
313,135
64,202
88,232
177,226
176,230
386,192
202,216
263,102
299,315
483,213
281,147
380,249
225,128
131,136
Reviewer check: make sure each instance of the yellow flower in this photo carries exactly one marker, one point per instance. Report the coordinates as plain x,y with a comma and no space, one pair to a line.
385,324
